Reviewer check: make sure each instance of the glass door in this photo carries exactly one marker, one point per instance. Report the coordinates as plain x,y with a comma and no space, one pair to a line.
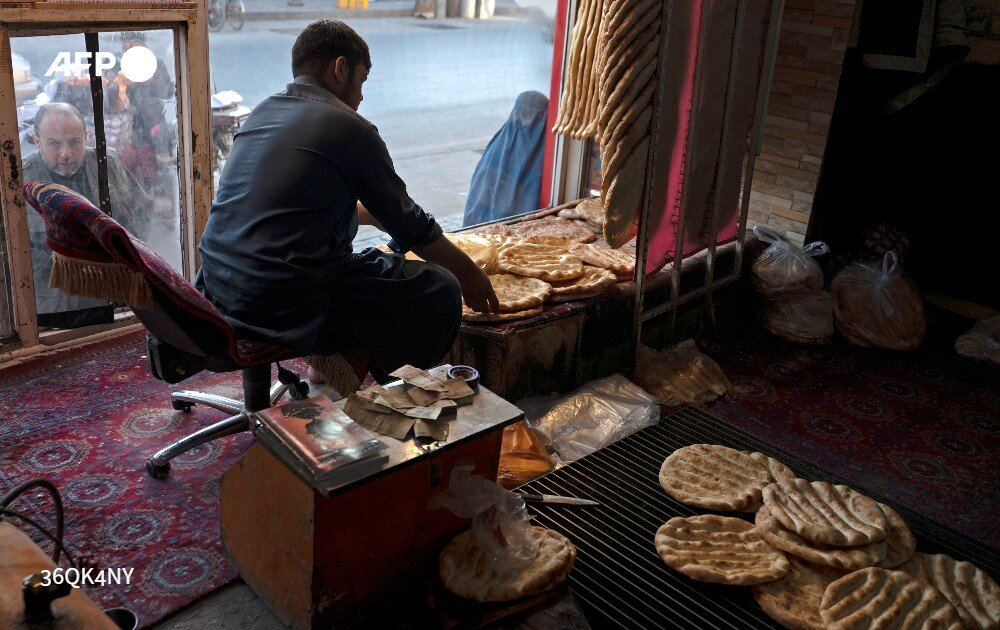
99,116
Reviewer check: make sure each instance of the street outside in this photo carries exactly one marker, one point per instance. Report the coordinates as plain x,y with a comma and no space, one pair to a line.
438,89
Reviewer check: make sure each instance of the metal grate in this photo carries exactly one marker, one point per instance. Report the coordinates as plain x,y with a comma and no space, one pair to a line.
620,580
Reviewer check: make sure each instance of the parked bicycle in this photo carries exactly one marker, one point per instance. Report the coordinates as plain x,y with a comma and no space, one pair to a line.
222,11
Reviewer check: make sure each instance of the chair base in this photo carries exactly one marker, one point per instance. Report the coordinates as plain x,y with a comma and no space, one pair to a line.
158,466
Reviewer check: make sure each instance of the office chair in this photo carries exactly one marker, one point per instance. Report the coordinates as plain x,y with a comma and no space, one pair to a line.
95,256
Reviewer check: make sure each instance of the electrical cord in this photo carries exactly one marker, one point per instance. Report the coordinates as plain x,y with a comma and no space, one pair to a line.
20,489
33,523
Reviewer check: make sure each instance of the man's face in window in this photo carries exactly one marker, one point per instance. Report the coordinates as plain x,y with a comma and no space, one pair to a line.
61,138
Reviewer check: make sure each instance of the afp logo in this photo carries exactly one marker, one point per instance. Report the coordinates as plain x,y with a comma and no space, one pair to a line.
137,63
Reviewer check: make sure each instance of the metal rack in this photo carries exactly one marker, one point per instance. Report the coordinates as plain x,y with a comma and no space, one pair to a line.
655,196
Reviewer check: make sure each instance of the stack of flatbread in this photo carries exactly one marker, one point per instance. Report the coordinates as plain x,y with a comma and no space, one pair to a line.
468,571
628,78
818,555
519,297
550,250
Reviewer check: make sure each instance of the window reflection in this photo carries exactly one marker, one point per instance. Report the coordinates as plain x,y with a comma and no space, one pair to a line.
59,136
438,92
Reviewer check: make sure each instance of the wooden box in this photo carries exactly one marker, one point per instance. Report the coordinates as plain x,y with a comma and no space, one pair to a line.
364,555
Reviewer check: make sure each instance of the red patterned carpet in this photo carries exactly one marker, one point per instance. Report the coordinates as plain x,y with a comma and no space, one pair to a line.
87,422
921,428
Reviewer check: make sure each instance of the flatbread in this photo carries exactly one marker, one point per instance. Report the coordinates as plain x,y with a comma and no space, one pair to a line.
794,600
470,315
517,293
840,558
821,512
468,572
481,250
553,226
623,196
602,256
880,598
593,281
779,472
537,260
497,229
569,213
898,538
591,210
722,549
968,588
714,477
557,241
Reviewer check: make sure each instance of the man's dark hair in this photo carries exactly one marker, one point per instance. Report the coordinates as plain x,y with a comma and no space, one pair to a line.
56,108
323,41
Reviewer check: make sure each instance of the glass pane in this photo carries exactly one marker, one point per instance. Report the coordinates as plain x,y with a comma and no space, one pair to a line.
59,138
438,91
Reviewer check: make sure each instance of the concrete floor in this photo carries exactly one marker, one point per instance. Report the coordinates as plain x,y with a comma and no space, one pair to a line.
232,606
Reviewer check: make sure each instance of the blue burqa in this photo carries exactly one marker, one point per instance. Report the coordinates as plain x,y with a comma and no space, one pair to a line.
508,179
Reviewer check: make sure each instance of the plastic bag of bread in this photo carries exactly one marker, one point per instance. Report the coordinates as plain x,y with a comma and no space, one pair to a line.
680,375
982,342
783,268
802,318
500,525
878,306
522,456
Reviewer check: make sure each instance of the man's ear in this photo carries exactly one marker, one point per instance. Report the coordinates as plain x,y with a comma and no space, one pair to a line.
342,69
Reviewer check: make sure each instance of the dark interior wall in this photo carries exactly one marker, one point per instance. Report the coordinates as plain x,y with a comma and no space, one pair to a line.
931,169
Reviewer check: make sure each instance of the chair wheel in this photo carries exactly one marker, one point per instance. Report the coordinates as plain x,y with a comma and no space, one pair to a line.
182,405
299,391
157,471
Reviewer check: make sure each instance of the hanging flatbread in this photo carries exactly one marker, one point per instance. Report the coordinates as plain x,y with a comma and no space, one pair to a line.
536,260
722,549
794,600
821,512
879,598
553,226
613,260
968,588
623,198
468,572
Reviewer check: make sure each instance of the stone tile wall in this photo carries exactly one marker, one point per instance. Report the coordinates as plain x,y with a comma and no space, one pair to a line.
814,37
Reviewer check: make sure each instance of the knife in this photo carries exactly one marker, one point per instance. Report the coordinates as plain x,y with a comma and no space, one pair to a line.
554,498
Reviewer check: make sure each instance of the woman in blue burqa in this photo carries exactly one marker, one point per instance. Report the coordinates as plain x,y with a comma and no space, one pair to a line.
508,179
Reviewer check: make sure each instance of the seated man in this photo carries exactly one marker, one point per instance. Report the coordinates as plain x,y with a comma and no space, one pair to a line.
63,158
277,256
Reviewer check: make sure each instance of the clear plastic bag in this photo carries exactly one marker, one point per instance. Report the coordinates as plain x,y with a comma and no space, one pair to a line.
783,268
500,522
982,342
680,375
595,415
802,318
878,306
